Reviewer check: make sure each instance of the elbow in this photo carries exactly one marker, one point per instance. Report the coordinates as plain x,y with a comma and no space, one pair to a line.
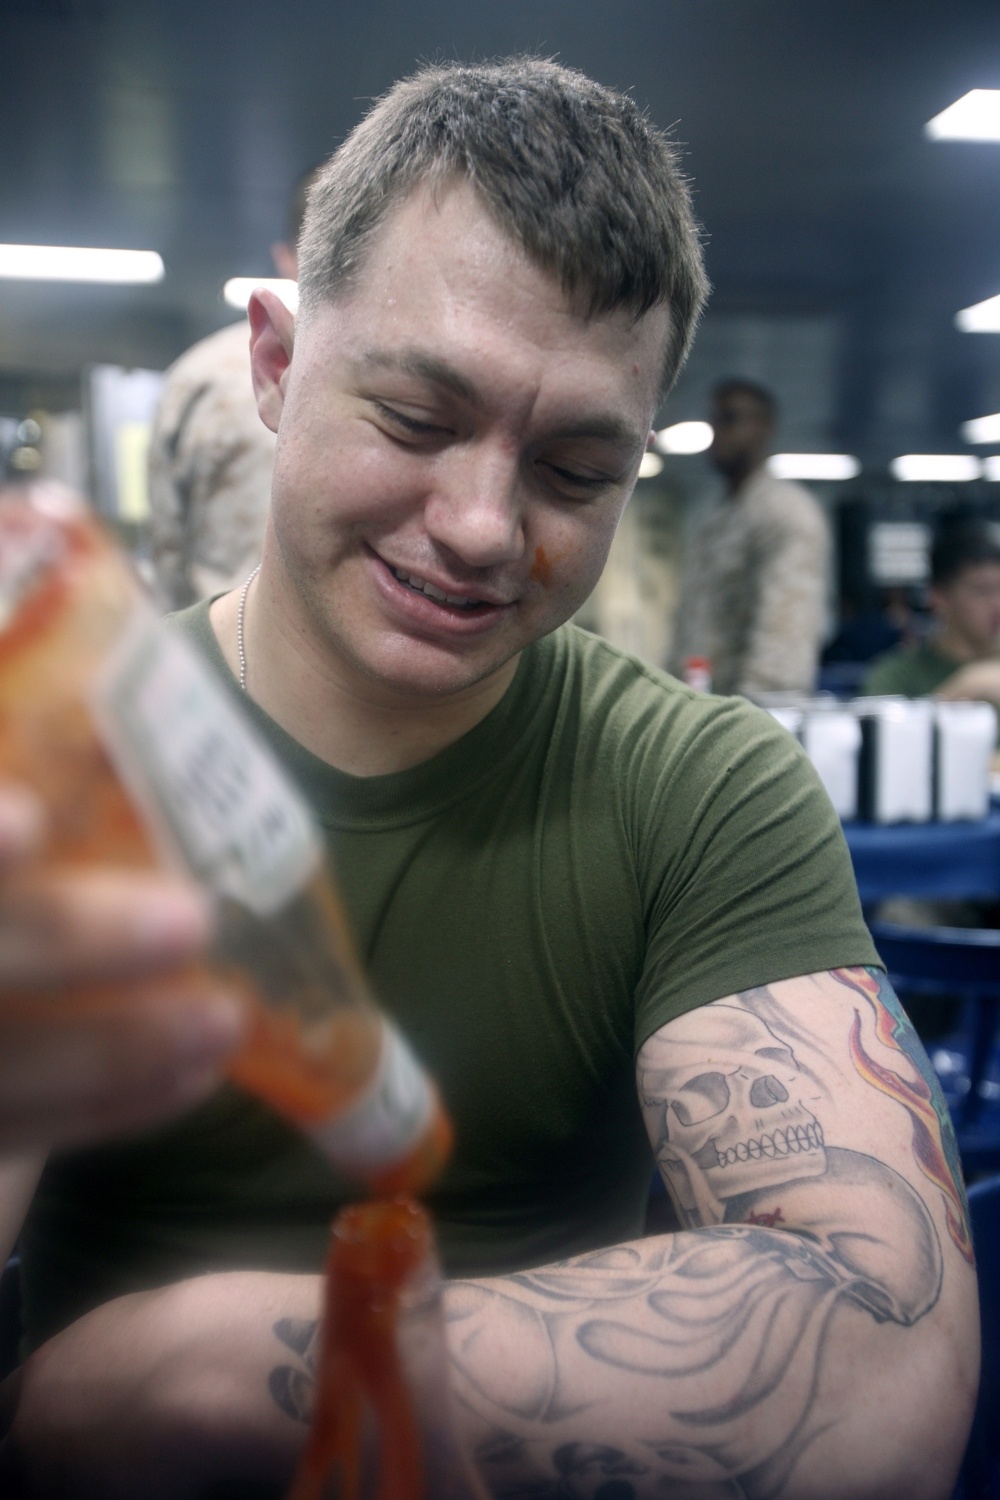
903,1422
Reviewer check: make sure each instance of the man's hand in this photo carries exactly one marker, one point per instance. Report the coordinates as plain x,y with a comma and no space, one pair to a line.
72,1075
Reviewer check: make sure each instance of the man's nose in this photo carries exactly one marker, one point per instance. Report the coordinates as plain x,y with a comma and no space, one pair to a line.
476,509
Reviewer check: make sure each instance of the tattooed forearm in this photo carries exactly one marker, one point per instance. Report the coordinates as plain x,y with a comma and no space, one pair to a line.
691,1359
696,1363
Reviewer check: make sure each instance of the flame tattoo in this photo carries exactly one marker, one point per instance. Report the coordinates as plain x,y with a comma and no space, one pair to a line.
934,1145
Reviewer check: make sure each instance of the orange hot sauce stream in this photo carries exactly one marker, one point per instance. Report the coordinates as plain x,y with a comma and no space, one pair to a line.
376,1248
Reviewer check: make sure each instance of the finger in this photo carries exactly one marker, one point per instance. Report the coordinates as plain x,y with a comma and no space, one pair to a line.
82,925
67,1079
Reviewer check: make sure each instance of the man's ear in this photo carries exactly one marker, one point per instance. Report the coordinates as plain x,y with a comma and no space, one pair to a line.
272,338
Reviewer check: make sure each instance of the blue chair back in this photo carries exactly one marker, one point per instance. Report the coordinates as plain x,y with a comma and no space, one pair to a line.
941,960
965,963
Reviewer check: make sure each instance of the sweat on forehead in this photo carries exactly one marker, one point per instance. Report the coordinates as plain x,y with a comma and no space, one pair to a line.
571,170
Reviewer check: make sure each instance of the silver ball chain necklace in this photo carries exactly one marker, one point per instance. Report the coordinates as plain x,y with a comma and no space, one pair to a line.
240,649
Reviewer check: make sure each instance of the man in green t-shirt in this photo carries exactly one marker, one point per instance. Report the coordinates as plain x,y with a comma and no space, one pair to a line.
961,659
593,898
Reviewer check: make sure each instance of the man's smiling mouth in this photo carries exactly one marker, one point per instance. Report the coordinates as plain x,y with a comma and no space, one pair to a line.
456,601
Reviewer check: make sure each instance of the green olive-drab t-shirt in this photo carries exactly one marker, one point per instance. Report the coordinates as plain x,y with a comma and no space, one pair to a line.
606,850
911,672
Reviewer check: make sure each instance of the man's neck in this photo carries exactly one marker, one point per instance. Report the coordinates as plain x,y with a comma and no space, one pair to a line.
736,482
352,723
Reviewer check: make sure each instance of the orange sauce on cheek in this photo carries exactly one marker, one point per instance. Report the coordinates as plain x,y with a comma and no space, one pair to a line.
541,571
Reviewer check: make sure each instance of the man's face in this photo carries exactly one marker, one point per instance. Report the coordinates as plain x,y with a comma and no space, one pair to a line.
741,433
969,606
455,446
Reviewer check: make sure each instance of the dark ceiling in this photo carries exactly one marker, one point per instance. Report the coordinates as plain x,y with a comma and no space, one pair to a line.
178,125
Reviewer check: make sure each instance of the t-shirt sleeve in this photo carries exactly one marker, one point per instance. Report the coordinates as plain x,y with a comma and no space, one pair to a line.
746,874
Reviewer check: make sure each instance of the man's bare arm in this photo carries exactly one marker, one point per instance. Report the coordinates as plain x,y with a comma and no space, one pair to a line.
811,1333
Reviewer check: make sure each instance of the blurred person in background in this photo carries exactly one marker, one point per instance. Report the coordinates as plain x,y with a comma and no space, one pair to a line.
960,659
753,600
211,457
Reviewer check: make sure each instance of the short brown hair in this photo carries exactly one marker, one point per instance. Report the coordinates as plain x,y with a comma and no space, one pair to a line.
962,544
571,170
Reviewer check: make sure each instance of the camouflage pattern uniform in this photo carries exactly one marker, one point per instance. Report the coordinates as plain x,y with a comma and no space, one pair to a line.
209,471
754,589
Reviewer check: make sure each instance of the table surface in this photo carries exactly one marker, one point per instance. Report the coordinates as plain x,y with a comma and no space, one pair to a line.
938,861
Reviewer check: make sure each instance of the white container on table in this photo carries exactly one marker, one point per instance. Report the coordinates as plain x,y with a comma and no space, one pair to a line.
965,735
831,738
896,781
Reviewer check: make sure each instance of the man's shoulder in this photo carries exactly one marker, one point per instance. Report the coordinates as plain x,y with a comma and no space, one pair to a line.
788,503
211,382
226,349
625,699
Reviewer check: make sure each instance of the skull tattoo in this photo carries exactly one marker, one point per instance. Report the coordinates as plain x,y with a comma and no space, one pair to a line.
736,1118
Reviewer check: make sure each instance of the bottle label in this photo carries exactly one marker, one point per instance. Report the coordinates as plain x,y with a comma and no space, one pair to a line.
205,780
389,1118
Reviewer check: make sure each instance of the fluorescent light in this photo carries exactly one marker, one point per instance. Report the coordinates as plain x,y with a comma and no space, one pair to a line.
952,468
238,288
991,468
651,465
981,429
813,465
69,263
981,317
974,117
684,437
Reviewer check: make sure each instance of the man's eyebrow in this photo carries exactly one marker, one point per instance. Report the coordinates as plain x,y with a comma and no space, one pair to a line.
424,367
604,427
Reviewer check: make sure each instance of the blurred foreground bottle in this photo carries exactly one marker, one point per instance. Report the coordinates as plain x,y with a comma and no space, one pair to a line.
105,709
383,1367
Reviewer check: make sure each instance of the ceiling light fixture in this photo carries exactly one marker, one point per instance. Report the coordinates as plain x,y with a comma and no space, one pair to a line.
74,263
991,468
981,429
974,117
238,288
650,466
813,465
948,468
684,437
981,317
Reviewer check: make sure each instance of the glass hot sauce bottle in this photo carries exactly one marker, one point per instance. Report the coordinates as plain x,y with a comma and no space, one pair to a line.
141,755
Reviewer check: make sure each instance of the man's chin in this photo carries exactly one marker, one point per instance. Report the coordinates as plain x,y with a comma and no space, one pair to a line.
416,675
